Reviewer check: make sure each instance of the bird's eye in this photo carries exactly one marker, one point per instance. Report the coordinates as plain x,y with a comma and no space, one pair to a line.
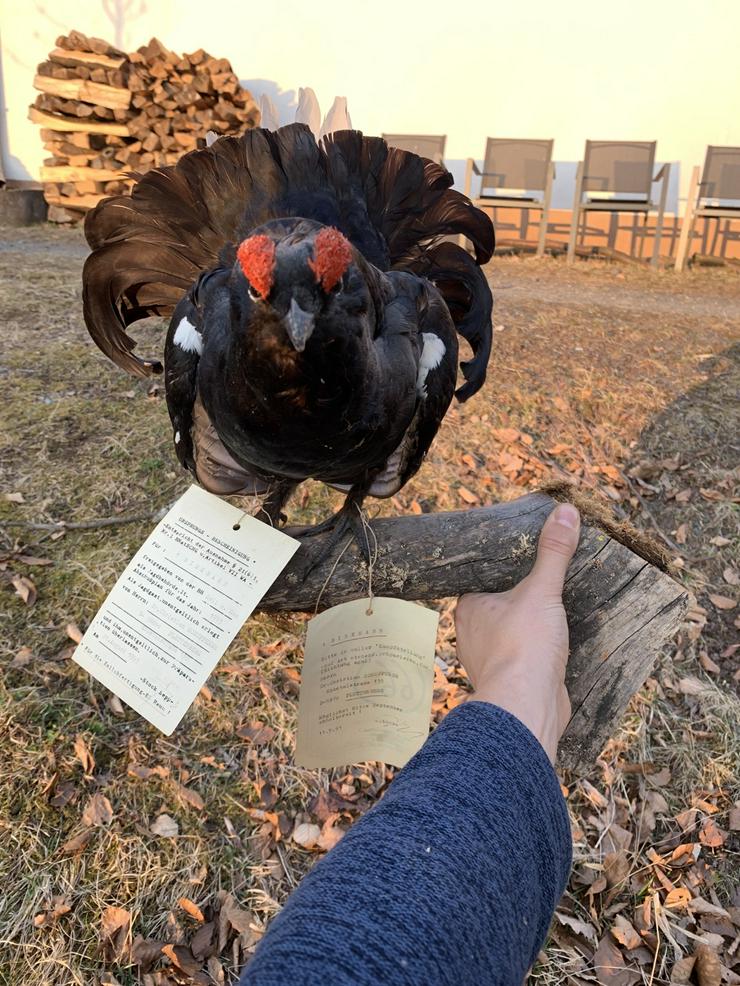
253,294
338,287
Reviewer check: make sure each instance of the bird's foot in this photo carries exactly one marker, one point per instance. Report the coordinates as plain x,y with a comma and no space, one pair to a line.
349,520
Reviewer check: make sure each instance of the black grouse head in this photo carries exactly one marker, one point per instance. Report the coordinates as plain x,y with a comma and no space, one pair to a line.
308,284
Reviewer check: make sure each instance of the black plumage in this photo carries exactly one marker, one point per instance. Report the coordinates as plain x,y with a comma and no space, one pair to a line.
314,301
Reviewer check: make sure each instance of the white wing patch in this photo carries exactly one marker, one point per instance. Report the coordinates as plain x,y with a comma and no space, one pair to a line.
188,338
431,356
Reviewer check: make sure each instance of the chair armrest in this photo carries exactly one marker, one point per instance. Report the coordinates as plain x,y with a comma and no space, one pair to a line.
474,167
664,172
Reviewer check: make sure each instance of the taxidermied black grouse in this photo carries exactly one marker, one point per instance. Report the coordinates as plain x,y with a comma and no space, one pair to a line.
315,306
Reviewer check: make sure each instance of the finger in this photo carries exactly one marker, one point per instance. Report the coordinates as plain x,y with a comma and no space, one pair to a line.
556,546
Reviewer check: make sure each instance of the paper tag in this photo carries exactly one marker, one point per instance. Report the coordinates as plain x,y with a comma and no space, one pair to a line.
179,604
366,685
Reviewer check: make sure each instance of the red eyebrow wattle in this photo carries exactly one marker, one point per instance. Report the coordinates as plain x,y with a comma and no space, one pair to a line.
332,257
256,257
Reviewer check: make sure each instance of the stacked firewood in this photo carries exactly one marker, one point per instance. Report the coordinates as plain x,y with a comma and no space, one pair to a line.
104,113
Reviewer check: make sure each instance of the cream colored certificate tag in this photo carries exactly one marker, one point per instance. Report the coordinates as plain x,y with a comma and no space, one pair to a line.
179,604
366,685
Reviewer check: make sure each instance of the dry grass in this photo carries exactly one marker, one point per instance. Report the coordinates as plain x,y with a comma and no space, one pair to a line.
601,367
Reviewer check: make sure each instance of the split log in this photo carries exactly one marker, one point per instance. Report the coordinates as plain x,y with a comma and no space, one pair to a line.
66,173
86,58
69,124
622,605
88,92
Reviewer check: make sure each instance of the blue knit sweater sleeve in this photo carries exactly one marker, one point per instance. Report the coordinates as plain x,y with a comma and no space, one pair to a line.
451,879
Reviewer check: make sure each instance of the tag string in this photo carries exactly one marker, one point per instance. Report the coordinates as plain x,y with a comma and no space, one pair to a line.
372,557
329,577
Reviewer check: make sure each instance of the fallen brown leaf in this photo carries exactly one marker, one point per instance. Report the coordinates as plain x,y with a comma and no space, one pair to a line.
609,965
306,835
191,908
257,732
98,811
681,971
73,632
201,944
416,507
580,927
190,797
182,958
78,842
625,933
267,794
734,822
677,899
145,952
14,498
708,968
708,664
616,868
58,907
114,930
63,794
467,496
22,658
719,541
113,919
330,834
84,754
35,560
165,826
25,588
710,835
722,602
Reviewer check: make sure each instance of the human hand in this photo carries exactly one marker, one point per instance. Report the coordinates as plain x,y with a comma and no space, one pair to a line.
514,644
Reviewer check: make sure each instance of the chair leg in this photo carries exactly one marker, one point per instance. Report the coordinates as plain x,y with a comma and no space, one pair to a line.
576,215
658,236
545,214
687,226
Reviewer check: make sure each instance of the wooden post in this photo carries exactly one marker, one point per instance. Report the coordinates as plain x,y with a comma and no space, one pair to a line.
665,172
545,214
575,215
687,226
621,605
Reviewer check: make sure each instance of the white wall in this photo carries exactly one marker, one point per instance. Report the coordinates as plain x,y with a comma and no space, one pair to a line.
638,69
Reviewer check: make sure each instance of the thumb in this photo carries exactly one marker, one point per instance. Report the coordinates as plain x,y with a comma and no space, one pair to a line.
556,546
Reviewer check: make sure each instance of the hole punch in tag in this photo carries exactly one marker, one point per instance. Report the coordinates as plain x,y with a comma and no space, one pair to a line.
366,684
179,603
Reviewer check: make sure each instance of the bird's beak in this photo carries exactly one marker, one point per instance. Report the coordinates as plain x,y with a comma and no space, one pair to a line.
299,325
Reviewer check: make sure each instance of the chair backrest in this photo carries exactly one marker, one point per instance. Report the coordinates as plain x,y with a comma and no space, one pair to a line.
720,178
619,167
431,147
515,164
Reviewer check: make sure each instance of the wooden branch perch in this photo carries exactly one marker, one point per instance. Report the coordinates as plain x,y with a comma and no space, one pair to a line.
621,606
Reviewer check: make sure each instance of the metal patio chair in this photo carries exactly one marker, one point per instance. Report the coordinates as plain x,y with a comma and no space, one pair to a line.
517,174
431,147
617,176
715,196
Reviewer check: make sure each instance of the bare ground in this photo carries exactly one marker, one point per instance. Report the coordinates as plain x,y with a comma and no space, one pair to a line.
624,380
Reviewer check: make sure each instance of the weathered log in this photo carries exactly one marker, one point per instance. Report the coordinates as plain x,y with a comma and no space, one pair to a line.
621,605
66,173
89,92
67,124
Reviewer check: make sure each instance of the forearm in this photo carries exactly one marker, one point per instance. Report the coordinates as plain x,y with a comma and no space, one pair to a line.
451,878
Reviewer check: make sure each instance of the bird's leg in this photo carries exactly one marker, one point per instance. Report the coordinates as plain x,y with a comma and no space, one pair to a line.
271,511
349,519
